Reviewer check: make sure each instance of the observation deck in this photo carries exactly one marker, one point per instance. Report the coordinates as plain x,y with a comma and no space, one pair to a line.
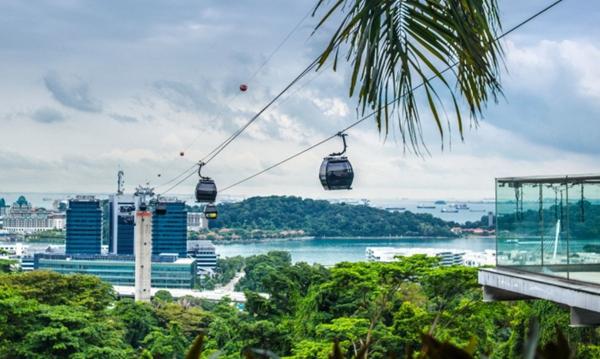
548,243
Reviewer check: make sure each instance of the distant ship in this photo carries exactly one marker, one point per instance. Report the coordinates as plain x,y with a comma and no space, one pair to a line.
440,202
425,206
461,206
395,209
450,209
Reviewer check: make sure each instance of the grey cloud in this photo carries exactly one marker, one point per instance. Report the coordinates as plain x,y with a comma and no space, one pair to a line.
71,92
184,96
48,115
123,118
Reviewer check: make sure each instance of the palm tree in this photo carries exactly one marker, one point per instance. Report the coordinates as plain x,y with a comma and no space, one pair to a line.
395,46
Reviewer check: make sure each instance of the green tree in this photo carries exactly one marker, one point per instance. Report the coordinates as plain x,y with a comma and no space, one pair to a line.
58,289
166,344
138,319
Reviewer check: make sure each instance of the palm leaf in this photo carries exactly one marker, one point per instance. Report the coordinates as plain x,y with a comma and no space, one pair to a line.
395,44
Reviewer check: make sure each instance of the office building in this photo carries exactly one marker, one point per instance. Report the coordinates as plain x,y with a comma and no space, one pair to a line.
84,226
169,228
168,271
204,254
121,211
2,207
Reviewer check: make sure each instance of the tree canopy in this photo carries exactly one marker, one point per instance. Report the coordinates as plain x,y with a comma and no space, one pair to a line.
321,218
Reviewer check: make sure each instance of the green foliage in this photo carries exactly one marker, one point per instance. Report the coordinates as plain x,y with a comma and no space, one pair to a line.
323,219
411,307
138,319
56,289
48,236
163,296
166,343
6,265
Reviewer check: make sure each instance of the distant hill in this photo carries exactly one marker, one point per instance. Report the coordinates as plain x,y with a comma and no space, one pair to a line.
320,218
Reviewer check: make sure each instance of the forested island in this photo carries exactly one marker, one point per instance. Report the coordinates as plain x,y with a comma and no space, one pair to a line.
320,218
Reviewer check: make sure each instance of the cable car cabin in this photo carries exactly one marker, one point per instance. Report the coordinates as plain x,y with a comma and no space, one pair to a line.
161,209
210,211
206,190
336,173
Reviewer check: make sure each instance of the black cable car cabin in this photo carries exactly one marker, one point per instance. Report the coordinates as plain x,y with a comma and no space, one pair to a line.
206,189
336,172
210,211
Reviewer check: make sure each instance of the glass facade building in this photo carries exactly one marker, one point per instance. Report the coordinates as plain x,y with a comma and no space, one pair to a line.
121,224
84,226
169,229
167,271
550,226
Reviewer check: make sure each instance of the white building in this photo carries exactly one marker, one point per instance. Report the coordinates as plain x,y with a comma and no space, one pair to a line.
59,220
204,253
480,259
14,249
196,221
389,254
23,218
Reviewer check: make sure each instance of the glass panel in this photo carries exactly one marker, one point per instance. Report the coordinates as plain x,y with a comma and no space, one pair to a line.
554,229
584,231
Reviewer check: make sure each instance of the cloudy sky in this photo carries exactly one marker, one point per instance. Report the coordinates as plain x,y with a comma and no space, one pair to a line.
88,87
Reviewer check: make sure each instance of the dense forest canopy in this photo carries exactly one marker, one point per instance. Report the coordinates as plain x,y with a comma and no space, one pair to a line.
321,218
381,309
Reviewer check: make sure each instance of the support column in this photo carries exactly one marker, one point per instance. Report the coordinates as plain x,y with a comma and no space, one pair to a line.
142,248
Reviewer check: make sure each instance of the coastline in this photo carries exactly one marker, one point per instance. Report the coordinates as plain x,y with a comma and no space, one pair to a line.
308,238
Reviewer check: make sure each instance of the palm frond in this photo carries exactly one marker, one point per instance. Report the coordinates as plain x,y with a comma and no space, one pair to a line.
395,46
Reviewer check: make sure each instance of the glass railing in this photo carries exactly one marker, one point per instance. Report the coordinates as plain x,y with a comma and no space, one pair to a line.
549,225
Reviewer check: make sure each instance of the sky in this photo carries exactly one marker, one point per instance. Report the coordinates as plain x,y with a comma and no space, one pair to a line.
91,87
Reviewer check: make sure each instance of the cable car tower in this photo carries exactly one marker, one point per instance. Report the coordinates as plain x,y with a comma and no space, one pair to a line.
142,244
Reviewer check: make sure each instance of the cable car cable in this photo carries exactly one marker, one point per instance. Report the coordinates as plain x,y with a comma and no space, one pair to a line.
238,132
289,158
226,143
252,76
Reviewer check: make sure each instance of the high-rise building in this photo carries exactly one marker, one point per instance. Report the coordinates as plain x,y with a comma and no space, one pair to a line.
169,227
121,224
2,207
84,226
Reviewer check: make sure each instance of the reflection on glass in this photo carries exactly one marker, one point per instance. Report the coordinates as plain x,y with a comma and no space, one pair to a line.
550,225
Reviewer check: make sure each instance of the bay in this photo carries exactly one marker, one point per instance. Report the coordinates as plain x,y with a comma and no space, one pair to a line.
332,251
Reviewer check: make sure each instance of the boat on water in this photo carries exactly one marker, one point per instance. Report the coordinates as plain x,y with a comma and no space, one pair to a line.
450,209
461,206
425,206
395,209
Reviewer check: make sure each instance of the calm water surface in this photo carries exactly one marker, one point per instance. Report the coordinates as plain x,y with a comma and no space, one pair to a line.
331,251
